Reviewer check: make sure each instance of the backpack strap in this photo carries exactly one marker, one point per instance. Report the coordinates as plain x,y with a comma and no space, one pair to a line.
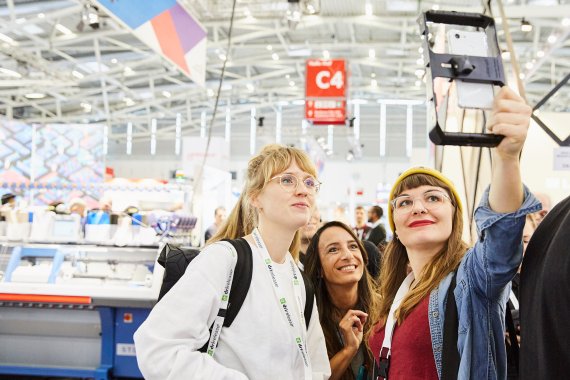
450,354
242,279
309,299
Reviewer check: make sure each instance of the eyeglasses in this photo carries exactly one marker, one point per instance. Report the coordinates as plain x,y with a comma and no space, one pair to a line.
290,183
431,200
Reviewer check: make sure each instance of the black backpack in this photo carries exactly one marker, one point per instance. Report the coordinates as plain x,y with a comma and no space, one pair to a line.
176,259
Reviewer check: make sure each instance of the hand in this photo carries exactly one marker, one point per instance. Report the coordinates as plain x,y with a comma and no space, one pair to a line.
510,117
352,328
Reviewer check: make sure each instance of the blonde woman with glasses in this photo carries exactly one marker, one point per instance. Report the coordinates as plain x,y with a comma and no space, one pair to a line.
269,338
425,215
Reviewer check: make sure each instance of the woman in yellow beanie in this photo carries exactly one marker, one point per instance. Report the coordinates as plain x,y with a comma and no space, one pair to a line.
427,261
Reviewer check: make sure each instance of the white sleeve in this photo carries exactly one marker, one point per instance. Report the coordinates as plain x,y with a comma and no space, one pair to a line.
317,347
167,343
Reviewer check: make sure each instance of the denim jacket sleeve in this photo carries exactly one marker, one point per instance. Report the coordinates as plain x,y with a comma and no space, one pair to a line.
497,254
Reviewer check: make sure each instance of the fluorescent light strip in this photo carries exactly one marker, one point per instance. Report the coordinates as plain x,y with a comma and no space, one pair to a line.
203,124
153,137
8,40
178,142
129,138
63,29
278,124
330,137
10,73
382,130
105,139
409,130
228,135
252,132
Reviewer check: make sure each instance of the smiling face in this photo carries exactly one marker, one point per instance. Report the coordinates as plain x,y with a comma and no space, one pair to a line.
340,256
286,207
424,226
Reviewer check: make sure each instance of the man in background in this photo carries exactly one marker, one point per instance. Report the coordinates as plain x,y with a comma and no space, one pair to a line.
377,234
361,229
219,217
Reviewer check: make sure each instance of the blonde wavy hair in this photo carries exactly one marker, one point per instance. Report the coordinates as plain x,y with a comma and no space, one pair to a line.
395,261
271,161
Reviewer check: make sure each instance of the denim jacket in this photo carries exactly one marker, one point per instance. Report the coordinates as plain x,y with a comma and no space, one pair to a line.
482,291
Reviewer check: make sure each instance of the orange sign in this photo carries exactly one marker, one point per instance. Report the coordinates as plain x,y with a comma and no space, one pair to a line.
325,78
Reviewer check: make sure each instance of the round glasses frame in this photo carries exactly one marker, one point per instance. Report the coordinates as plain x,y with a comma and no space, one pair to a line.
427,205
294,186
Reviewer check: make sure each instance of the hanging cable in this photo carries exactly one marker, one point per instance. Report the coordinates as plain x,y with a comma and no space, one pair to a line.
199,178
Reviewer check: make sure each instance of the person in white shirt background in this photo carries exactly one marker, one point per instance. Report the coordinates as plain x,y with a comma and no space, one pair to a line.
261,343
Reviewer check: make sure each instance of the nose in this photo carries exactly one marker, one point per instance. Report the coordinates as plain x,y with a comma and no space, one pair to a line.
301,189
418,207
346,254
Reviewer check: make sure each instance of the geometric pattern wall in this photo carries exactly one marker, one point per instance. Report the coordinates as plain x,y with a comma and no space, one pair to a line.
54,162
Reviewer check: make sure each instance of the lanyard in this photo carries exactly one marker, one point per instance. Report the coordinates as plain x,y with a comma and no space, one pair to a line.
297,327
391,322
514,300
219,320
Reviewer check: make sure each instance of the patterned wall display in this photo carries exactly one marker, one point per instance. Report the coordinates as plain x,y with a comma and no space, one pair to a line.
52,162
15,152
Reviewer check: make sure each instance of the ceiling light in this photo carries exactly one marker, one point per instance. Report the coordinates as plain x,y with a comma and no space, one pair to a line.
166,94
114,61
269,47
419,73
371,53
210,92
373,83
421,50
540,53
552,39
292,83
435,7
222,57
63,30
368,9
35,95
129,102
529,65
21,20
373,75
91,16
128,71
522,76
9,73
250,87
275,56
418,83
326,54
41,15
287,76
420,61
86,107
77,74
526,26
293,13
566,21
312,7
506,55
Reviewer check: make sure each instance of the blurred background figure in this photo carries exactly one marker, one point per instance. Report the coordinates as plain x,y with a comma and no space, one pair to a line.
377,234
361,229
78,206
8,201
106,204
219,218
546,206
307,234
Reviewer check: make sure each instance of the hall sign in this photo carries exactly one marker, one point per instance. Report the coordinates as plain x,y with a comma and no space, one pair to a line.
325,91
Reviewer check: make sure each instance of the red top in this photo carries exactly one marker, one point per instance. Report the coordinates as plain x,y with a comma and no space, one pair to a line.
412,354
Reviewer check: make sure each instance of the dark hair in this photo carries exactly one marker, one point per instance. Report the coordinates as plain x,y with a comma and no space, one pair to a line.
378,211
367,297
7,197
220,208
